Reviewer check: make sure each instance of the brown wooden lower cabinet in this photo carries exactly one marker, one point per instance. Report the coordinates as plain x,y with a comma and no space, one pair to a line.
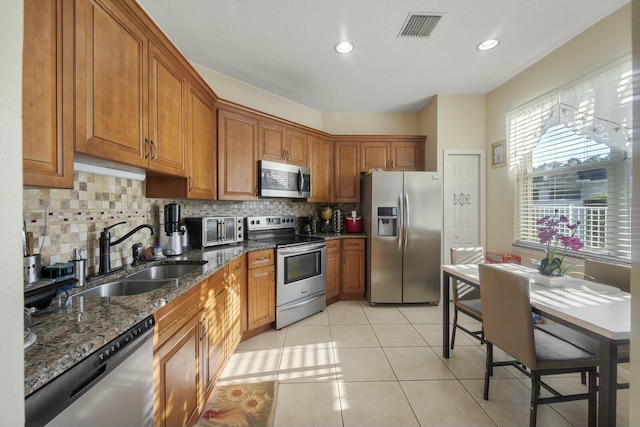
214,299
176,372
333,269
261,289
353,268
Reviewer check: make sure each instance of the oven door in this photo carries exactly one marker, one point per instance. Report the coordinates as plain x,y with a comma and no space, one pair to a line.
283,180
300,271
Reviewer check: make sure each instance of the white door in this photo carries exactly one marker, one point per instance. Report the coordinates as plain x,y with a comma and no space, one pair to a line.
463,200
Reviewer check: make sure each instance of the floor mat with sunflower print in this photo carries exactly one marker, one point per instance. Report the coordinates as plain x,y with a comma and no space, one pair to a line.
241,405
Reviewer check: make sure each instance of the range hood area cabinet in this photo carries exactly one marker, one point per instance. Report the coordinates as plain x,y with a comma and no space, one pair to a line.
47,94
282,144
131,94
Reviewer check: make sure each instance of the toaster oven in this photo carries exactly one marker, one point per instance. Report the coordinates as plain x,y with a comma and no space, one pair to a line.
211,231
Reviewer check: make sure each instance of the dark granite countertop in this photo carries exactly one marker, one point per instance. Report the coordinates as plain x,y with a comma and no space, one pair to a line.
68,331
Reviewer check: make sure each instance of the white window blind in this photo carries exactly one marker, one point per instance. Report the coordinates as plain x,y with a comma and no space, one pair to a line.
570,152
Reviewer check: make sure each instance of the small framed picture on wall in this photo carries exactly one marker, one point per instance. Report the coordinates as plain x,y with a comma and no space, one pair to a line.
498,154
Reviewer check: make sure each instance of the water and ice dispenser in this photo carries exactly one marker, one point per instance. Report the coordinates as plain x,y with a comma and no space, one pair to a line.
387,221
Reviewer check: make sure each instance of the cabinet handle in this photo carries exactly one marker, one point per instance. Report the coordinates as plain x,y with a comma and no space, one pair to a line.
147,150
391,161
155,150
191,183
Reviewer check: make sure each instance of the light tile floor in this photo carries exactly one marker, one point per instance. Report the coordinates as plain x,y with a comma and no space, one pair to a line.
355,365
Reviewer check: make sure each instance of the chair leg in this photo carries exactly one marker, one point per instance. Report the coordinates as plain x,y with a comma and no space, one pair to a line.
593,397
488,370
455,326
535,392
583,377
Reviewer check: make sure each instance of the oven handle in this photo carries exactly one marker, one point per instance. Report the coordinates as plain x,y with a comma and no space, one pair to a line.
301,249
289,307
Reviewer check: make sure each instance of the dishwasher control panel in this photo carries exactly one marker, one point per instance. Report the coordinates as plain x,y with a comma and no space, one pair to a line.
123,340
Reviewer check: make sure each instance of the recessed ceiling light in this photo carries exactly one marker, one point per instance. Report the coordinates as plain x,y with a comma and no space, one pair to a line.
344,47
488,44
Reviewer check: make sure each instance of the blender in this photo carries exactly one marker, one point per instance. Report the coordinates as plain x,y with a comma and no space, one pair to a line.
172,230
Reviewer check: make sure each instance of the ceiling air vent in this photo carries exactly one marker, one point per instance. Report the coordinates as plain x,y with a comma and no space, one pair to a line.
419,25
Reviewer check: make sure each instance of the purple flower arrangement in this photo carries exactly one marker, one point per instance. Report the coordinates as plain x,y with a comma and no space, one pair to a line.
548,231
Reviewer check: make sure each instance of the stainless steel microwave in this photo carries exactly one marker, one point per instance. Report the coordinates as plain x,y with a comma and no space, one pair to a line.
283,180
210,231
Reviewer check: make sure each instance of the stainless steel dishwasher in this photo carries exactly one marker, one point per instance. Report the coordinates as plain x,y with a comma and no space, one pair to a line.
112,387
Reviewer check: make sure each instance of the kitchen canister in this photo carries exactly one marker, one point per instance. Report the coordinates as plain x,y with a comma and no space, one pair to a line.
31,268
79,268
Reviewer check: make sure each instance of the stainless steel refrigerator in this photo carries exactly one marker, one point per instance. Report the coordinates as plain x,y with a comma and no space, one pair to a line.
402,217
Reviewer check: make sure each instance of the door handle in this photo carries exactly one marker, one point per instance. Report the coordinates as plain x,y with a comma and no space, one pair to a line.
147,150
407,222
300,181
401,227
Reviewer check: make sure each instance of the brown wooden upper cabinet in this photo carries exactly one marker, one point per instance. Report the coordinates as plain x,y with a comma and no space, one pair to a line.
282,144
131,93
347,171
321,163
400,155
237,155
47,94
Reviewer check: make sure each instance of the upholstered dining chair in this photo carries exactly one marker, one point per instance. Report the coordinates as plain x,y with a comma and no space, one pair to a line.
617,275
466,298
506,312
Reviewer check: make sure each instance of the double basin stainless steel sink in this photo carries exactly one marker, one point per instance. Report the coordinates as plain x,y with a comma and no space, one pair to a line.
141,281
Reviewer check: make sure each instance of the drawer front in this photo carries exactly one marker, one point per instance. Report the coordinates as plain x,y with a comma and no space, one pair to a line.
260,258
333,246
237,266
353,245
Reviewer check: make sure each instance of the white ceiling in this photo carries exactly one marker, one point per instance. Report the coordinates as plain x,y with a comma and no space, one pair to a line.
286,46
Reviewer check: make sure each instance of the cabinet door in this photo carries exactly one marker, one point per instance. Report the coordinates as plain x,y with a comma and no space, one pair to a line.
407,156
237,154
177,382
321,163
47,94
215,310
297,148
375,155
347,172
167,114
111,84
201,146
353,266
271,142
237,279
333,268
261,297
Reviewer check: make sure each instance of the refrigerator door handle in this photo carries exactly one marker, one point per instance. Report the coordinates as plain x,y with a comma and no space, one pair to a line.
407,223
401,226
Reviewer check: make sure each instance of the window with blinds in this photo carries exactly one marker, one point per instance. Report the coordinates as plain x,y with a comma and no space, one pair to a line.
570,152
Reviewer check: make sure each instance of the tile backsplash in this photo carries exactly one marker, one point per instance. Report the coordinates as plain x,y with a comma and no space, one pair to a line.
64,220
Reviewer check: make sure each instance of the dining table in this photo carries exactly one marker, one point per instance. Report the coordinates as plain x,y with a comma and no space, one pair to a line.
598,310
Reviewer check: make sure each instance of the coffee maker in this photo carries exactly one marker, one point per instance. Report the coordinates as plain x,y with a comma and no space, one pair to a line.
172,229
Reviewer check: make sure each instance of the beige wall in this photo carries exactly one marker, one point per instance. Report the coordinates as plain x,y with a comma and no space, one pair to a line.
234,90
11,297
428,125
461,123
370,123
605,41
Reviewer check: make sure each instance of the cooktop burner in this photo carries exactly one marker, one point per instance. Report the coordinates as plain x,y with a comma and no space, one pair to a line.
279,230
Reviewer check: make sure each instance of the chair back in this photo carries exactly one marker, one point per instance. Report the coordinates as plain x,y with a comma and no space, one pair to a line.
462,255
506,312
618,275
